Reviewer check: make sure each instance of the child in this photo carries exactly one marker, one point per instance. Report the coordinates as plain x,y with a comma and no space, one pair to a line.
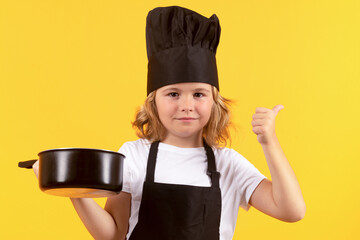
178,182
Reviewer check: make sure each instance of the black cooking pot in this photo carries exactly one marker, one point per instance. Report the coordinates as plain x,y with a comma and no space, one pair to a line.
79,172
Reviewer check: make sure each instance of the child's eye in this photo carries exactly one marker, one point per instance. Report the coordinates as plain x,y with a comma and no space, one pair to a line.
173,94
198,95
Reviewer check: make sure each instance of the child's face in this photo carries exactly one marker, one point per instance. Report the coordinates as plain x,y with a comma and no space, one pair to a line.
184,108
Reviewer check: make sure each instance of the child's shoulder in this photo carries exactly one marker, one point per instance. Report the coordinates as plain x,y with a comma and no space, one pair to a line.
138,142
136,145
228,154
225,151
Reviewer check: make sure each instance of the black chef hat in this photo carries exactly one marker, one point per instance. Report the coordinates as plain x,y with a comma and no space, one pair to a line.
181,46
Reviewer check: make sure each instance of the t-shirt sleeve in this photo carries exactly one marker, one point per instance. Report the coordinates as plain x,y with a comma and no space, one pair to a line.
127,176
247,177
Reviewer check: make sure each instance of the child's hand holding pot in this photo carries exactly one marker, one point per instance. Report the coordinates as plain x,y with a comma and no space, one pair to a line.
36,168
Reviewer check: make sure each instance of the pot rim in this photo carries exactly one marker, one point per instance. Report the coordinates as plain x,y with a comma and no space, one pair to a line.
86,149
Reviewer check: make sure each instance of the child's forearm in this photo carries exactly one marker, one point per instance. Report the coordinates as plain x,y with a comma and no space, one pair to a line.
285,187
98,221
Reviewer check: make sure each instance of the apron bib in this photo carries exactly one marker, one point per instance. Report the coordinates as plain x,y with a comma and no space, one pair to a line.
178,212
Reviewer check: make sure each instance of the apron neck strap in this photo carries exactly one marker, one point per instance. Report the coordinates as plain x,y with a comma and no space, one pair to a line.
211,171
150,170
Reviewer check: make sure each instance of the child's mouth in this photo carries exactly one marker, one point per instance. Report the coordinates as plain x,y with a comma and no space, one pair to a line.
186,119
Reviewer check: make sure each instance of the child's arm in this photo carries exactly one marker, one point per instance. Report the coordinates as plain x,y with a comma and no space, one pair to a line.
280,198
108,223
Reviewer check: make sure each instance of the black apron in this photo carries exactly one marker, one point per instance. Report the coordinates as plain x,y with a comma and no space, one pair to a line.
179,212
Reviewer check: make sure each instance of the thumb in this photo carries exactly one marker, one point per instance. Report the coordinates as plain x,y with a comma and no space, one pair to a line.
277,108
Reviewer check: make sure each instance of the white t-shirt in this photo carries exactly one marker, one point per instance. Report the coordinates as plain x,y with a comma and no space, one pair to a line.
188,166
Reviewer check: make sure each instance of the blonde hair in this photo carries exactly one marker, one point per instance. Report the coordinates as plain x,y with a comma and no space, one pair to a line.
216,132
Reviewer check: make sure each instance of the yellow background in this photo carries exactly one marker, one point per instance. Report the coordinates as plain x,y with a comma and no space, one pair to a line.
73,72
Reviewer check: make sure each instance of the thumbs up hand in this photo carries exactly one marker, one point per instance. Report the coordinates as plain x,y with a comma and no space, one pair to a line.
264,124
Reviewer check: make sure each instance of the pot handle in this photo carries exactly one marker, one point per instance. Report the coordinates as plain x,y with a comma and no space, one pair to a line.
27,164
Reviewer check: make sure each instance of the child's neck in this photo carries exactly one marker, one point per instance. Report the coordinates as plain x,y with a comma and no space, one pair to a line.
190,142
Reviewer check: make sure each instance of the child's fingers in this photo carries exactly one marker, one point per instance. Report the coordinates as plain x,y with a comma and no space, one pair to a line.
258,130
259,115
36,168
258,122
262,110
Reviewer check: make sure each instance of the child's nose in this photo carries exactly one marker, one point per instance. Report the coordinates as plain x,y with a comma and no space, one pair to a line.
187,104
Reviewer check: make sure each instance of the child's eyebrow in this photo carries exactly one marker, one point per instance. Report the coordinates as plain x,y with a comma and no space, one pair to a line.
201,89
171,89
179,90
